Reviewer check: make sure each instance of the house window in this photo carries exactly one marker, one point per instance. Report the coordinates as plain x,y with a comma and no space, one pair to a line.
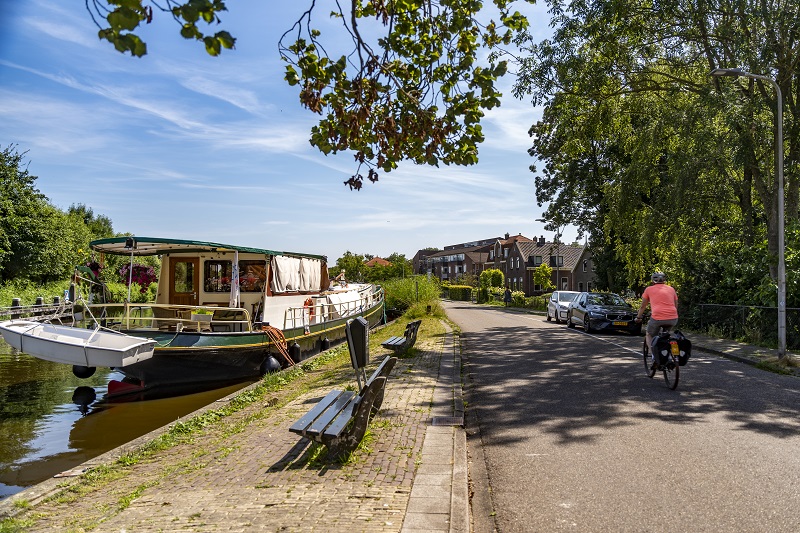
588,286
585,263
537,260
505,252
557,261
580,286
491,254
563,284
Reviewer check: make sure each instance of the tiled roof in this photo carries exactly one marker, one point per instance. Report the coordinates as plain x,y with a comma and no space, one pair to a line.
477,257
570,252
515,238
377,261
459,251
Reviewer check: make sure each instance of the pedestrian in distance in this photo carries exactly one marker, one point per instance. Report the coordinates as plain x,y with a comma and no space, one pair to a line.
507,297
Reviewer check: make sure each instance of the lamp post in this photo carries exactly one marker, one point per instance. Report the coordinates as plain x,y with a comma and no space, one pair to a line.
735,73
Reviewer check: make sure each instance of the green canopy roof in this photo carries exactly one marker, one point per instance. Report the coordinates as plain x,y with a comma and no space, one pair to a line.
157,246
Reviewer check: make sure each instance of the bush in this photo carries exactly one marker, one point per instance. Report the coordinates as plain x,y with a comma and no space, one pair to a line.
518,299
420,310
27,291
119,292
460,292
402,293
483,295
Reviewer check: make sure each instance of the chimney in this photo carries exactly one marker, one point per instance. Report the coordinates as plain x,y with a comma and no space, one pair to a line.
541,241
507,236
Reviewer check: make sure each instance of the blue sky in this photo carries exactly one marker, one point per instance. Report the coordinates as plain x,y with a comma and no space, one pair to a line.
180,144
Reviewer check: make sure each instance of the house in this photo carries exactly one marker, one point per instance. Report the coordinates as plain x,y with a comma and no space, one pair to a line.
420,260
457,259
518,257
377,261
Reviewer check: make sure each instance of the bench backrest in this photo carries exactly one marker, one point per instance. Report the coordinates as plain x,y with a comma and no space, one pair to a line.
357,332
411,332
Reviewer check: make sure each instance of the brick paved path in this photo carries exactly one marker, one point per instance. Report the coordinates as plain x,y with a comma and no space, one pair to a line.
253,473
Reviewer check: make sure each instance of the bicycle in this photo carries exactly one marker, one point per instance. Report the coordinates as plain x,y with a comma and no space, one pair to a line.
674,352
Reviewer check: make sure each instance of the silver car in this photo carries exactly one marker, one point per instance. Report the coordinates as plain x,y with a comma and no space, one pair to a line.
558,304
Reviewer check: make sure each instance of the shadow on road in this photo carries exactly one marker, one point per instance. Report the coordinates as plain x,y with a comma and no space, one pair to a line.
578,387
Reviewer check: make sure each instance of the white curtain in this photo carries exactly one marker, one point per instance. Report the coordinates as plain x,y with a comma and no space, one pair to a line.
310,274
285,274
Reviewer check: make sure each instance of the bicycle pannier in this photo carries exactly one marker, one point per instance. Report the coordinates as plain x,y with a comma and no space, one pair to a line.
685,346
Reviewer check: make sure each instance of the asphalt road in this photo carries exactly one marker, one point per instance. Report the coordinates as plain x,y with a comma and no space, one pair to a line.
566,433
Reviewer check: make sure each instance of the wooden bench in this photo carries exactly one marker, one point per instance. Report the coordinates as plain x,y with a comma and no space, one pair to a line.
401,344
340,419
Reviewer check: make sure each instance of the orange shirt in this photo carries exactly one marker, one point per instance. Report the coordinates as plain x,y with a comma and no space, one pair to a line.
663,301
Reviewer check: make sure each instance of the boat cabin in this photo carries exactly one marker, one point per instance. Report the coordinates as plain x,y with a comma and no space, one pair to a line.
216,287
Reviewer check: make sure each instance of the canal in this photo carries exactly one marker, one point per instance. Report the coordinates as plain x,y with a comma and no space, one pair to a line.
51,421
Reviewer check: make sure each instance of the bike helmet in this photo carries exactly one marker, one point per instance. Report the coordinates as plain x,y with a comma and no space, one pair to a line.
658,277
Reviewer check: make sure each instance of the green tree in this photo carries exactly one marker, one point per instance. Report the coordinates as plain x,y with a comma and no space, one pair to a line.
38,242
99,225
352,265
675,160
542,275
491,277
412,84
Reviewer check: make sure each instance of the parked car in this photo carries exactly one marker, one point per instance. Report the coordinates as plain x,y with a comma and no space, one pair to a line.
558,304
602,311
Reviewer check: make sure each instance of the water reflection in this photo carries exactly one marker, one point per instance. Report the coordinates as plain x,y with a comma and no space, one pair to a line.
51,421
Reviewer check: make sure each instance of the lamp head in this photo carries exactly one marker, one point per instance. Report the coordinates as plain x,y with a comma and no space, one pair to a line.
727,72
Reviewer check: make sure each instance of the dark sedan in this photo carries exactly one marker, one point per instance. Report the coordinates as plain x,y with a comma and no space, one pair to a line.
597,311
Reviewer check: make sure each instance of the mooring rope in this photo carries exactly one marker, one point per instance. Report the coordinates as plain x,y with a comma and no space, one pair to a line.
279,340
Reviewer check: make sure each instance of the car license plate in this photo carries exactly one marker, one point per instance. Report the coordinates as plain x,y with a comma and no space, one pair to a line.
620,323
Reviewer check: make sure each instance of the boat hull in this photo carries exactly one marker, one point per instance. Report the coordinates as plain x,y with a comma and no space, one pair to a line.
76,346
218,357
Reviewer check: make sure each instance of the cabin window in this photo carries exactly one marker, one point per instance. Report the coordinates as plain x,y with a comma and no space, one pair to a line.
217,276
184,277
252,276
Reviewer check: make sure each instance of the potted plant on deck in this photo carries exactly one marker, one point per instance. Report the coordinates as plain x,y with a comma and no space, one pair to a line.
202,315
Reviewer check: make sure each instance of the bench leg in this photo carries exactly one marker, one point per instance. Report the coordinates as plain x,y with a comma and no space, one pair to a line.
340,447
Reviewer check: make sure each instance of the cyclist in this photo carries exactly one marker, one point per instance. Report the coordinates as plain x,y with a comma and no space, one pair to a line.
663,301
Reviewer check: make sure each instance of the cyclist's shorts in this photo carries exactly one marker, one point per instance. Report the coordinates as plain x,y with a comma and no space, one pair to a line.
654,326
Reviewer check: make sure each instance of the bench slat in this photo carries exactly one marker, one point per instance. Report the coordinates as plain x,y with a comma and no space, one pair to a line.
306,420
406,341
379,370
331,413
340,421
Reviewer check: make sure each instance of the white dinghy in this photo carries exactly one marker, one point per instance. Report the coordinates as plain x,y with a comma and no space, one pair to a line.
76,346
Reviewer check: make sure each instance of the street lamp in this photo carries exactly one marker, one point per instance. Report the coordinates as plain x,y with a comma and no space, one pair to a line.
735,73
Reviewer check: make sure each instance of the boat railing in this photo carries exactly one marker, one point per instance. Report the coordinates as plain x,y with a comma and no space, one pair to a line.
321,311
169,317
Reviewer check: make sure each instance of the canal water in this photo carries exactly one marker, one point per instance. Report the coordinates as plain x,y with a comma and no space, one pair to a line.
51,421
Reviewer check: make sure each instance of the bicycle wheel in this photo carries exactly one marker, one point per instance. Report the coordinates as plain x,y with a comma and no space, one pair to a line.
671,372
648,367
